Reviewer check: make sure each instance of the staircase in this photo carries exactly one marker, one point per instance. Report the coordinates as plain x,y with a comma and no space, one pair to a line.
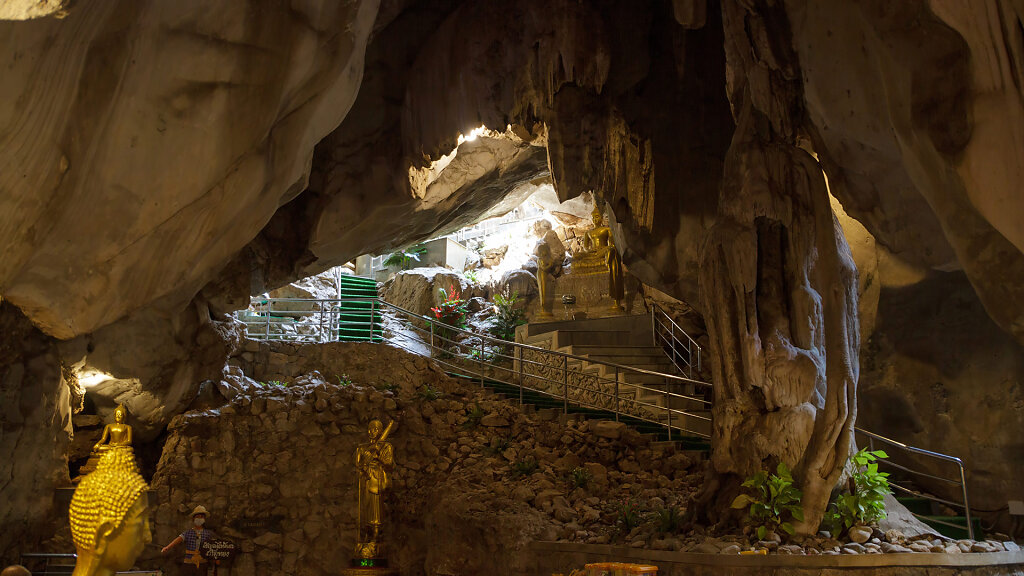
552,408
358,321
626,341
952,526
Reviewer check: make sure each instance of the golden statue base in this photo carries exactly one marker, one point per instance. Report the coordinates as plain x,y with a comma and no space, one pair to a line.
367,566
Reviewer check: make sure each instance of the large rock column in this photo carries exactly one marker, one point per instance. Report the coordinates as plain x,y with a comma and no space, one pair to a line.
778,284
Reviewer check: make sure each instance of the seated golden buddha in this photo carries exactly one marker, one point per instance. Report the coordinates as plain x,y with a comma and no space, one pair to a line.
115,434
597,248
598,256
109,515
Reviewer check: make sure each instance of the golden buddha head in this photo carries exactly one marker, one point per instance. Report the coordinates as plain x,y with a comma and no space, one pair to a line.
109,516
598,215
120,413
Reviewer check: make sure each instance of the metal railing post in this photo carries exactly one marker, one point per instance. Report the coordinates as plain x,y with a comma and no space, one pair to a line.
320,334
520,374
616,393
967,505
267,311
431,339
669,409
372,308
654,325
672,341
480,363
565,384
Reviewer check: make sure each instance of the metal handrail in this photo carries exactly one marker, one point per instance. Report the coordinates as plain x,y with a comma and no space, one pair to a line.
562,365
561,359
962,482
661,319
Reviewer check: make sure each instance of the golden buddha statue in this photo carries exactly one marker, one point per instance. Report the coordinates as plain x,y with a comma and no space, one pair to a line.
600,255
373,461
115,434
109,515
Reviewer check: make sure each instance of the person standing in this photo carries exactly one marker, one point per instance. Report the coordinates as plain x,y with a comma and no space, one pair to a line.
193,538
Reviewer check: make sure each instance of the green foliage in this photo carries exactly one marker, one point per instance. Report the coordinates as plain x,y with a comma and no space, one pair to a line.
627,516
343,380
472,276
524,467
270,383
389,386
580,477
866,503
474,416
403,258
773,501
427,392
496,446
452,310
507,315
484,356
669,520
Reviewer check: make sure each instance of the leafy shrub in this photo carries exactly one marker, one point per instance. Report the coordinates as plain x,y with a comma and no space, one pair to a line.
507,315
427,392
496,446
865,503
343,380
524,467
580,477
627,516
452,310
669,519
403,258
773,501
472,276
474,417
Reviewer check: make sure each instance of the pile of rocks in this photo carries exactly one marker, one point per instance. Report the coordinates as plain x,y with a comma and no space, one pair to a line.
476,478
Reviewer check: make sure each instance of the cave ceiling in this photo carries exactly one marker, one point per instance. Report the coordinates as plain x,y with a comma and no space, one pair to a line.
163,152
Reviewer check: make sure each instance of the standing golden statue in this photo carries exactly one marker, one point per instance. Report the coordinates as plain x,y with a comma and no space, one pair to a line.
109,515
599,253
374,459
115,434
550,255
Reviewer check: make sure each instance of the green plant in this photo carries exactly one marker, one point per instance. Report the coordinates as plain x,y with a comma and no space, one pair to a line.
472,276
627,516
343,380
580,477
669,520
864,503
403,258
273,383
496,446
524,467
452,310
427,392
484,356
474,416
388,386
772,501
506,315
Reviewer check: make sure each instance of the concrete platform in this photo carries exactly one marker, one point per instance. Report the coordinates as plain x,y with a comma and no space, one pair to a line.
561,557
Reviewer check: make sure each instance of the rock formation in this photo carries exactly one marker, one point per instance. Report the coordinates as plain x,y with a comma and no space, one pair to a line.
157,167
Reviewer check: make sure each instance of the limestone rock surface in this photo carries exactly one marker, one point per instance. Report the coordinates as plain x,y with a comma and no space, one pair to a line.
146,143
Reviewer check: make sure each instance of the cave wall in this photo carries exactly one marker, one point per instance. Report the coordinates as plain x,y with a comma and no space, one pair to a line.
35,431
132,132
